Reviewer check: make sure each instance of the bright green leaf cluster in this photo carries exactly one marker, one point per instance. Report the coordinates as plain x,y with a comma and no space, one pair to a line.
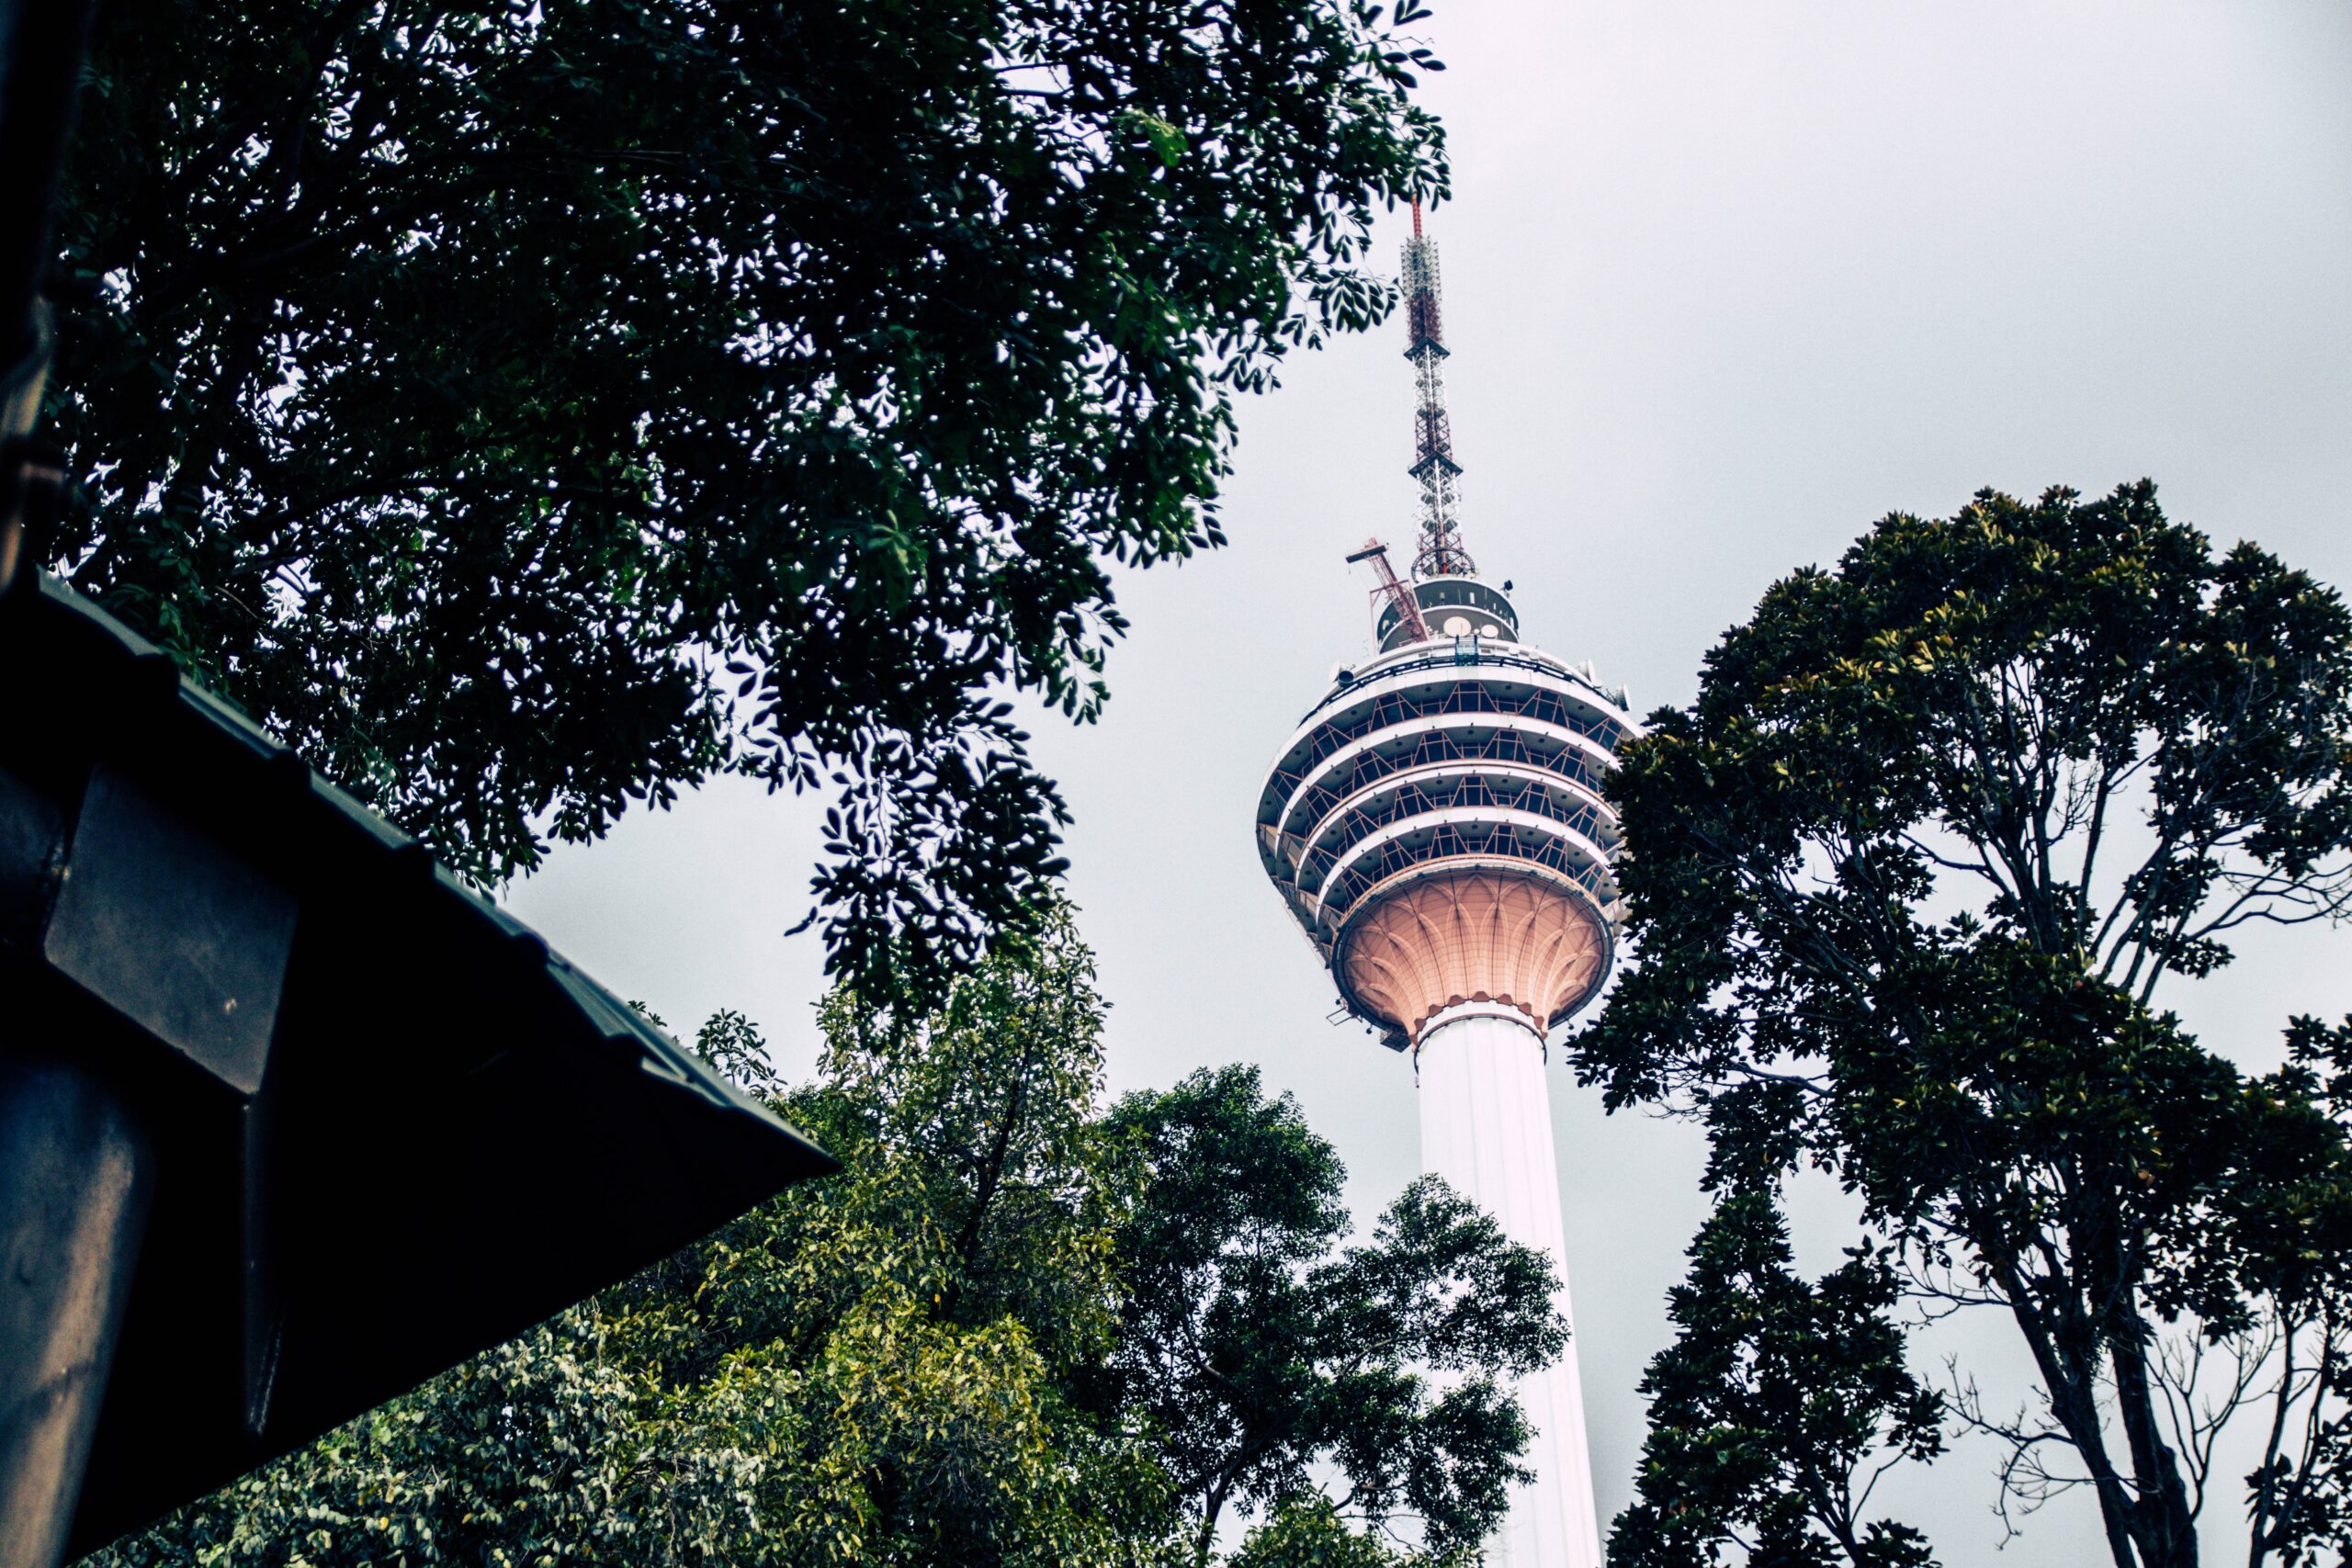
938,1356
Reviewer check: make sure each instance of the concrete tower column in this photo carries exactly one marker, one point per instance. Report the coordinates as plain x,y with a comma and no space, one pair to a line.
1487,1128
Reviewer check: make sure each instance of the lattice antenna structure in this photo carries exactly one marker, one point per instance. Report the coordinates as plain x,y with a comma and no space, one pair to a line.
1441,554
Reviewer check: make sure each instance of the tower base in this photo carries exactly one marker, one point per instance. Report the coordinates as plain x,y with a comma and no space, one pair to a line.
1487,1128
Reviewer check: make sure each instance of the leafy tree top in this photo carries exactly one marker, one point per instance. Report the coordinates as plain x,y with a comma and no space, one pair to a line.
525,410
2070,726
1903,884
1267,1353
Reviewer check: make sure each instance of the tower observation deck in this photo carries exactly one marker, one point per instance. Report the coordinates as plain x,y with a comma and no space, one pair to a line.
1436,826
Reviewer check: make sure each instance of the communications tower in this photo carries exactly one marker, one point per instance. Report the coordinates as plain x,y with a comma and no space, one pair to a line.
1435,823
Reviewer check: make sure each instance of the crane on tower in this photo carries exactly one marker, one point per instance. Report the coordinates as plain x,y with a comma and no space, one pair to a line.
1409,608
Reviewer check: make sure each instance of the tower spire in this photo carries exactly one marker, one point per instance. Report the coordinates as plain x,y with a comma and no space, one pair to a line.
1441,553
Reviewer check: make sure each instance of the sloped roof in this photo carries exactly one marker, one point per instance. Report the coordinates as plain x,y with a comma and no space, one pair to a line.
392,1127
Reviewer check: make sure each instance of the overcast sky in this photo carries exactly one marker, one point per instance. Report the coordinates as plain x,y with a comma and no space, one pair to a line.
1725,283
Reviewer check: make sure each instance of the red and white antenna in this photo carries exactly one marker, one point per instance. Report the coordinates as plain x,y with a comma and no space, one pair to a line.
1441,553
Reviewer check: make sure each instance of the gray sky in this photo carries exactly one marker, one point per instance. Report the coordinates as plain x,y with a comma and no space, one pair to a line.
1724,282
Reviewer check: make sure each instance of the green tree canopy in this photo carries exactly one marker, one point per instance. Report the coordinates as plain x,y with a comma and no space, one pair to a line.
868,1370
527,408
1262,1348
906,1364
1780,1403
1904,882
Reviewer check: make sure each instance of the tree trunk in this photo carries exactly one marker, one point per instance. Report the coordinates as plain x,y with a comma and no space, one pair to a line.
2162,1525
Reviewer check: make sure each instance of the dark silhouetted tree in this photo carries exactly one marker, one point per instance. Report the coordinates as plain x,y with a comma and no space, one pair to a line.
526,409
1904,882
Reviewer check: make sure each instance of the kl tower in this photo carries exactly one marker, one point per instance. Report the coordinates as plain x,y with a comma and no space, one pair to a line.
1436,826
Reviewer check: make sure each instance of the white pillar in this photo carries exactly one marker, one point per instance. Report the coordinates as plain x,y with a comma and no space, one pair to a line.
1487,1128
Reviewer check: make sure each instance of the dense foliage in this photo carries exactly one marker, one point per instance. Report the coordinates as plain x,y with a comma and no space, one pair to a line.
524,409
1905,881
1259,1353
911,1363
1780,1403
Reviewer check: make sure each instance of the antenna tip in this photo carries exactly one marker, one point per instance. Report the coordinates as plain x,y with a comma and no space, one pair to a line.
1417,218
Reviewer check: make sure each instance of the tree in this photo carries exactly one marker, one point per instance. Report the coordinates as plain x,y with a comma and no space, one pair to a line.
1776,1410
867,1370
1307,1533
906,1364
522,409
1260,1350
1903,883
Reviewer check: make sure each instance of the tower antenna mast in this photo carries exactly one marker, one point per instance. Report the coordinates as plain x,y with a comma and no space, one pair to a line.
1441,553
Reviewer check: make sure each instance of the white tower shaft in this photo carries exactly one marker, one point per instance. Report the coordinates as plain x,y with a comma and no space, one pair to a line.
1487,1128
